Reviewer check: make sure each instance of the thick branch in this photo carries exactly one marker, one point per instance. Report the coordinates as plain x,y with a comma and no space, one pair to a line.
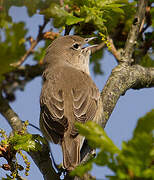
43,161
121,79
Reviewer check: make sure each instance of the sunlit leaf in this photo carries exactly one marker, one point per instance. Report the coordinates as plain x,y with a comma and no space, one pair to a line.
145,124
82,169
26,142
73,20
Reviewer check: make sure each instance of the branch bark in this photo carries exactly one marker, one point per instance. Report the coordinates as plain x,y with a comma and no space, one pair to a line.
134,31
11,117
121,79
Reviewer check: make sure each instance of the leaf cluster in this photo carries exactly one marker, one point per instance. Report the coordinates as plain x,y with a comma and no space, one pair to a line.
15,144
86,17
133,161
95,15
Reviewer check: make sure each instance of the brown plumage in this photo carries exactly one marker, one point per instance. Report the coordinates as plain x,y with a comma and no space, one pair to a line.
68,95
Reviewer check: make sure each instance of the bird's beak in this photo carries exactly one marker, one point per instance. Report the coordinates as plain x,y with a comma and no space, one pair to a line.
88,40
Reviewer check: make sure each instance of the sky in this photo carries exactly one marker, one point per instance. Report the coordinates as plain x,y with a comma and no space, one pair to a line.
133,105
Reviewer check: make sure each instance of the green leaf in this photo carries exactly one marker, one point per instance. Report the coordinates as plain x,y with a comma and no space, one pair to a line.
102,158
137,154
97,137
54,11
134,156
152,15
134,160
82,169
26,142
147,61
145,124
73,20
8,177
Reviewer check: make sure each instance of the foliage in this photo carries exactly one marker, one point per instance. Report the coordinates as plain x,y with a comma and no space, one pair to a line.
147,61
89,14
15,144
86,17
133,161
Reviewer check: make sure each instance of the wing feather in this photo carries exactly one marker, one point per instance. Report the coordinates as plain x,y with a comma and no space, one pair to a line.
83,101
52,110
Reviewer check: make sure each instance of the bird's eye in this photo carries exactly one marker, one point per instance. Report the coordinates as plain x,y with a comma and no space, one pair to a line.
76,46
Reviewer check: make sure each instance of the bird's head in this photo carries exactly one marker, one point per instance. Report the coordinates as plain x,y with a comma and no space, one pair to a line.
70,50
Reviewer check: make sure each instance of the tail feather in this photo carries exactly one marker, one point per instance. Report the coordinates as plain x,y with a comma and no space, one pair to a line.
71,152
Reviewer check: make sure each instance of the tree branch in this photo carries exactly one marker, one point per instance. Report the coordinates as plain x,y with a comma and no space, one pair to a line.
121,79
97,48
134,31
18,78
41,158
33,44
113,50
11,117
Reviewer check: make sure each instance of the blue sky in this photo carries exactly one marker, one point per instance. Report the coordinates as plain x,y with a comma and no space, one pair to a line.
133,105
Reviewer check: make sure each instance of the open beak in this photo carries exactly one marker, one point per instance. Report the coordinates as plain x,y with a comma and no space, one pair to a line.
88,40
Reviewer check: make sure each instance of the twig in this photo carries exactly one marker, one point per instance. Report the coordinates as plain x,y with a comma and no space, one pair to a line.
28,52
17,79
33,45
148,19
97,48
113,49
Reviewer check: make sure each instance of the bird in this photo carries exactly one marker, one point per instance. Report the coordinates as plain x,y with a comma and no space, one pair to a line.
68,95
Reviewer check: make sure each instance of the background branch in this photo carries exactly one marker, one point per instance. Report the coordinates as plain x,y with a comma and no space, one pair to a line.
18,78
33,44
113,50
134,31
11,117
41,158
97,48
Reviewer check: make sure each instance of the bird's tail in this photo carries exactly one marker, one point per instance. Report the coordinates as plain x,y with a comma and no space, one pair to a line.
71,152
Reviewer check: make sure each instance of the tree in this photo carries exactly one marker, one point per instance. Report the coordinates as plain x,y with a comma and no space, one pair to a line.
123,27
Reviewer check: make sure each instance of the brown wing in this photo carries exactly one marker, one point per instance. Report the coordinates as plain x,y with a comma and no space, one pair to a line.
84,97
52,120
85,101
